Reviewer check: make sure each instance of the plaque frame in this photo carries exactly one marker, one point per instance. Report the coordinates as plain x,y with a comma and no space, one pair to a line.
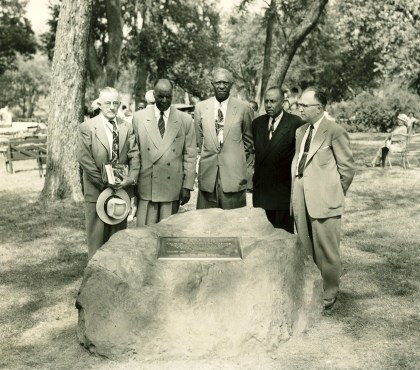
173,248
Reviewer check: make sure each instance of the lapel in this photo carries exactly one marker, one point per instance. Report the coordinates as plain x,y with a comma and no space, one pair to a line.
100,133
230,115
122,135
318,139
210,121
299,136
172,128
151,126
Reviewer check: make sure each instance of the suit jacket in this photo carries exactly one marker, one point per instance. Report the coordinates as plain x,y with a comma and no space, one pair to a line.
93,150
329,169
168,164
272,181
231,157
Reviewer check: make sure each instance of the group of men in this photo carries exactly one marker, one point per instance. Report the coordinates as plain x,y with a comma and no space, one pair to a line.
302,170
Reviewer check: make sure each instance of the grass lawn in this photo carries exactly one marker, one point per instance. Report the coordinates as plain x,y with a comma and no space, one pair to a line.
374,325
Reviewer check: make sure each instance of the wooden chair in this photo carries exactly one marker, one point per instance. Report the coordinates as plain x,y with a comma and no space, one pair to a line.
398,148
23,149
413,149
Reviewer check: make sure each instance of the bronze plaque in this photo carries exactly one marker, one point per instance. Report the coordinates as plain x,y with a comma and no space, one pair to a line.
199,248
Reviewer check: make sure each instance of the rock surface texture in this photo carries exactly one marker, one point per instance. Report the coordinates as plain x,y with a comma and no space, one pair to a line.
132,304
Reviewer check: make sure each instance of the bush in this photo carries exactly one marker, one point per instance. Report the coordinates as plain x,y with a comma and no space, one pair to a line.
376,111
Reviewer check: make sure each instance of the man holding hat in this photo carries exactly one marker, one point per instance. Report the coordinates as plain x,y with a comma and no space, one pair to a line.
106,139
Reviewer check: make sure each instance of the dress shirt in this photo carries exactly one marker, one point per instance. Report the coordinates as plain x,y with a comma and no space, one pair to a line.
276,121
165,115
223,107
108,130
302,145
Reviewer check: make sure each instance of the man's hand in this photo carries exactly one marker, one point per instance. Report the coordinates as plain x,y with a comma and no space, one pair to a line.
184,196
126,181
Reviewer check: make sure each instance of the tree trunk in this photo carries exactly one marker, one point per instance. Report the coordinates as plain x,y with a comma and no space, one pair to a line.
271,19
115,34
295,39
68,86
96,70
141,79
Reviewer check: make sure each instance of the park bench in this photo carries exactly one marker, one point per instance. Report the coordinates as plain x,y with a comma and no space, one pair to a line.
29,148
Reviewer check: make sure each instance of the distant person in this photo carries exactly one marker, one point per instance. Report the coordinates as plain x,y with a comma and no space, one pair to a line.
103,139
291,97
149,97
274,143
322,171
94,109
391,142
168,155
411,123
224,137
254,106
142,104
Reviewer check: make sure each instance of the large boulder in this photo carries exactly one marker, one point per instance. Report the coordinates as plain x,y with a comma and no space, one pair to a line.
130,302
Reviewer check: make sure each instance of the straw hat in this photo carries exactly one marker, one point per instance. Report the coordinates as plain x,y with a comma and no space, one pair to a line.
113,206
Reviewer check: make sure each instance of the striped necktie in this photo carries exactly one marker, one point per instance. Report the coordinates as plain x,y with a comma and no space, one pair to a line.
271,129
115,142
161,124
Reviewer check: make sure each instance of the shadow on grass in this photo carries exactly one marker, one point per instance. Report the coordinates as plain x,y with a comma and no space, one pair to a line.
46,249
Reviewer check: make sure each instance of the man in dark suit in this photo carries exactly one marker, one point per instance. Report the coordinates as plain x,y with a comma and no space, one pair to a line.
274,143
102,139
322,171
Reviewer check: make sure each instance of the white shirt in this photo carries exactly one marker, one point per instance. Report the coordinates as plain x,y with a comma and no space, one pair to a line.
223,107
108,130
276,122
165,115
302,145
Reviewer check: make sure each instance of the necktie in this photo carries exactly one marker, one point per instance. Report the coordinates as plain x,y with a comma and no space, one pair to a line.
115,142
302,161
161,124
219,125
271,129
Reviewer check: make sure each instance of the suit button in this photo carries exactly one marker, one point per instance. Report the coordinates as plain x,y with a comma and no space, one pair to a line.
148,148
168,164
169,177
173,150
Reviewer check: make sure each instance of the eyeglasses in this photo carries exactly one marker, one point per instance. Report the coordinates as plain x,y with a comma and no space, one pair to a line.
300,105
109,103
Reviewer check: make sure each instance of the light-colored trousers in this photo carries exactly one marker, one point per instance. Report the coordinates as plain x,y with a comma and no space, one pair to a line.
149,213
321,239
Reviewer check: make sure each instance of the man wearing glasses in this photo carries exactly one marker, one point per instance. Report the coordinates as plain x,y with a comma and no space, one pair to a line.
322,171
224,140
103,139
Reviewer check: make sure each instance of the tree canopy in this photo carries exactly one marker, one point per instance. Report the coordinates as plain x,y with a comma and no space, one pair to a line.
16,34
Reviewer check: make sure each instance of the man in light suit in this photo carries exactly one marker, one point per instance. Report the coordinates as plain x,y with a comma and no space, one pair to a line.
224,139
322,171
95,147
274,143
168,154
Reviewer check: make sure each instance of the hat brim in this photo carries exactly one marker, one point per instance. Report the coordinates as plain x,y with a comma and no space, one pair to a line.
100,205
